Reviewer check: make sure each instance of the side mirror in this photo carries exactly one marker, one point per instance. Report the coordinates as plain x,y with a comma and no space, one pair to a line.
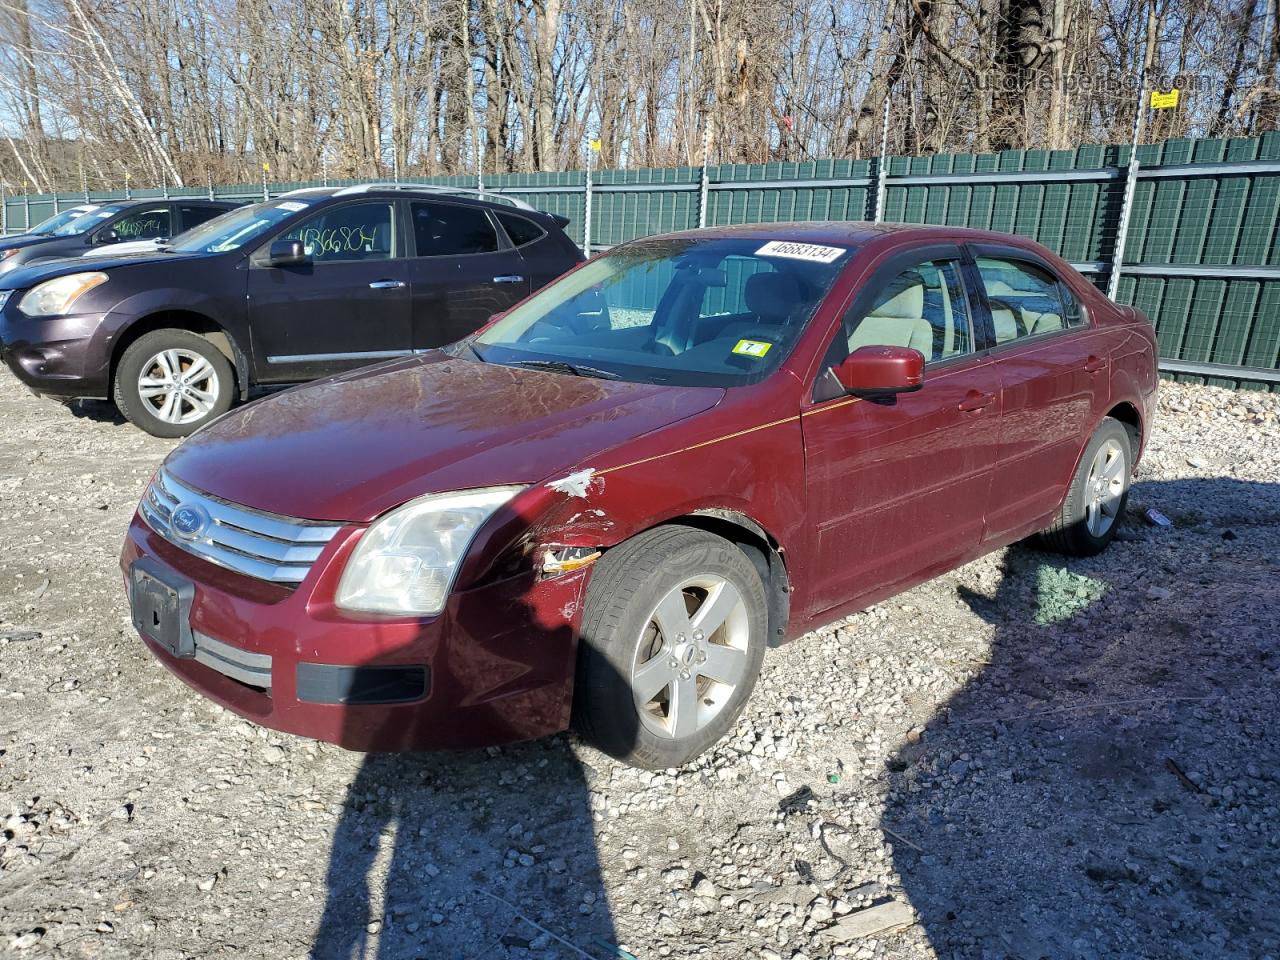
881,370
109,235
287,253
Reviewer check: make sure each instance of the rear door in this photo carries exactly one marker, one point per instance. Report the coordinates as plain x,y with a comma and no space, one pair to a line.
897,486
347,307
1053,378
462,271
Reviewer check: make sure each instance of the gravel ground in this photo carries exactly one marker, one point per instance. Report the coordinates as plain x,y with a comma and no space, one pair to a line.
1025,758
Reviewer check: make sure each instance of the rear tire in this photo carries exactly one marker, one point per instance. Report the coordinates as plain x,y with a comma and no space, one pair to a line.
171,382
673,634
1095,502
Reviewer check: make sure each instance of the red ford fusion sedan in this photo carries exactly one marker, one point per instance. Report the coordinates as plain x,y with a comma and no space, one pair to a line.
605,506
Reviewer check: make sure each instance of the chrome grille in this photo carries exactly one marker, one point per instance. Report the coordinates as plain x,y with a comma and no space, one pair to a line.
257,544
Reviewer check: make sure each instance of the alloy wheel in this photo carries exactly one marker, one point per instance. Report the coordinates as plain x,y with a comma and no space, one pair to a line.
1106,485
178,386
690,656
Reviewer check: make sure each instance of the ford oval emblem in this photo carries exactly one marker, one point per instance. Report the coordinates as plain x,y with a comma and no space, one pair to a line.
189,520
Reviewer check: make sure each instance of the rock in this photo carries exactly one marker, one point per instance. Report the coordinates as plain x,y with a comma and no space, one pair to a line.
207,883
864,923
273,753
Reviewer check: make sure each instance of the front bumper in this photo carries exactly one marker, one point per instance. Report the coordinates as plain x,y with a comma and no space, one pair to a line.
55,356
497,664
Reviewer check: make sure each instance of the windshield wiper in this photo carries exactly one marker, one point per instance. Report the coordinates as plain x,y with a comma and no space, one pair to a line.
560,366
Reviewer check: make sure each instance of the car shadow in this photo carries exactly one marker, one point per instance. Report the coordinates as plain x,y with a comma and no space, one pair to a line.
468,854
1105,787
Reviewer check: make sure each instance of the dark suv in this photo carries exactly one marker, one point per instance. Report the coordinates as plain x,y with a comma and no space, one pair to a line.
311,283
97,228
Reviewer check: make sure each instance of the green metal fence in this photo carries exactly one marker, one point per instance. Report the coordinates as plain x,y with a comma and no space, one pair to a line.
1201,257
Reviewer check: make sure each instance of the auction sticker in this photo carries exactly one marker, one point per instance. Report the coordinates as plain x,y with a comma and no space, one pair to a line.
752,348
292,206
800,251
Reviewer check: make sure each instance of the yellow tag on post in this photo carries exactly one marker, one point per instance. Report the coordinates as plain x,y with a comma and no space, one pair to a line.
1163,101
595,145
752,348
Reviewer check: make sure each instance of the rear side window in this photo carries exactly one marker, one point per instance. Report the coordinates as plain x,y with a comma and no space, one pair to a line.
195,214
357,231
446,229
150,223
520,230
923,308
1026,300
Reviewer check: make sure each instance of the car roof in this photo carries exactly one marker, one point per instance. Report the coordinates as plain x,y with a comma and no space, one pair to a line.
850,233
466,195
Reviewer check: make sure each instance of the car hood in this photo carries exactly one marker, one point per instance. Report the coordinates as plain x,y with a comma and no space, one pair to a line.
29,275
20,240
352,447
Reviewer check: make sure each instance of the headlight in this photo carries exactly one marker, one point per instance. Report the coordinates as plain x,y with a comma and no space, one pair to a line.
55,297
405,563
6,254
4,297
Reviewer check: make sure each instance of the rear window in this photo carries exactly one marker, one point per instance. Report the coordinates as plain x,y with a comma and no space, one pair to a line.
520,230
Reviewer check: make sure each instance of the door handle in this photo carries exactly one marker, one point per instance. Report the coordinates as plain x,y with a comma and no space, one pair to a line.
509,278
973,400
1094,364
386,285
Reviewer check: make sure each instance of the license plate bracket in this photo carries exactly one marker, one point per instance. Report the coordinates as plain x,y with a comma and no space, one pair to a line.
160,603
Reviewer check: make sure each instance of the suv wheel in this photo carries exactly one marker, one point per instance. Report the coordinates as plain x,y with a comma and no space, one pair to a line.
673,635
170,382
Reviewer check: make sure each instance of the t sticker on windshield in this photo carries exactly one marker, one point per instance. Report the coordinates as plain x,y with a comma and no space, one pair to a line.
752,348
293,206
800,251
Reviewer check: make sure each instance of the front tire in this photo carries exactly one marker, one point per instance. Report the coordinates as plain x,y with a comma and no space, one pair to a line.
1095,502
171,382
673,634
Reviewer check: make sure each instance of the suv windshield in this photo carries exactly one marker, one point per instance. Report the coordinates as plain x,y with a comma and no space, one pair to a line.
47,227
693,311
235,228
88,220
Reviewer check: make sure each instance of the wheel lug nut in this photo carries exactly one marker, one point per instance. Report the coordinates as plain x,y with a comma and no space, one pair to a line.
697,634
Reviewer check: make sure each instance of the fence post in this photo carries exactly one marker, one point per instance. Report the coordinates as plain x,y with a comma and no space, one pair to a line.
57,209
882,163
265,168
586,204
705,185
26,208
4,208
1130,184
208,175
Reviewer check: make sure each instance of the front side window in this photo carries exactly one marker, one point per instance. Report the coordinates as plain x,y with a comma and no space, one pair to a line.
357,231
1025,300
923,308
448,229
148,223
689,311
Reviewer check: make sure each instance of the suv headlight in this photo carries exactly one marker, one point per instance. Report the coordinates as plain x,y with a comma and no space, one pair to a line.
405,563
57,296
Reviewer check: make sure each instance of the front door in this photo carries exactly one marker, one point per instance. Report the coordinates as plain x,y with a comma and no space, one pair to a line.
1053,382
348,306
897,486
462,272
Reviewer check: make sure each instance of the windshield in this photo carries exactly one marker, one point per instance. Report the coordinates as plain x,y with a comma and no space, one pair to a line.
236,227
46,227
682,310
88,220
